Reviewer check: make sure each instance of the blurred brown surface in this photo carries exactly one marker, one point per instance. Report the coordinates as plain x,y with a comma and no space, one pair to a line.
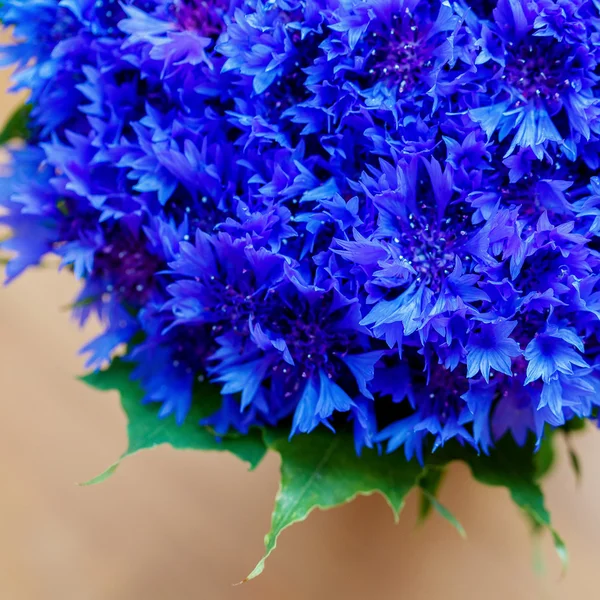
183,526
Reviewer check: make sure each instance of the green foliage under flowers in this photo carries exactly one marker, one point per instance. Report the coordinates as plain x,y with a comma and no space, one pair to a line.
321,470
17,126
146,430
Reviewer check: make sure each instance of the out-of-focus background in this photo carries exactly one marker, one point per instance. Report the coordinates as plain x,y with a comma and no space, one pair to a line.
180,525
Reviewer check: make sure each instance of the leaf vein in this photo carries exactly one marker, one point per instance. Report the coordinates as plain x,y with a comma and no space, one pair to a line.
326,456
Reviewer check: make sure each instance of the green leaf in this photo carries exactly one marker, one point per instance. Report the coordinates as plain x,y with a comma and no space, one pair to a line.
429,482
17,125
63,207
575,463
321,470
444,512
146,430
573,456
515,469
575,424
544,458
88,301
569,429
539,565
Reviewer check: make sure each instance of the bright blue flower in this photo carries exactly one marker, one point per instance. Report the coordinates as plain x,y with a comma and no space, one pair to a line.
539,60
440,410
491,347
551,352
380,216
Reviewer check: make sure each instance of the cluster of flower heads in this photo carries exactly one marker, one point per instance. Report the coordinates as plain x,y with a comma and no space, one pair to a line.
381,212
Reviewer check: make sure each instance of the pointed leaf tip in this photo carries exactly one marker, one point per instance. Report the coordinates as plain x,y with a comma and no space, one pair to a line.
146,430
429,483
445,513
322,470
517,469
102,477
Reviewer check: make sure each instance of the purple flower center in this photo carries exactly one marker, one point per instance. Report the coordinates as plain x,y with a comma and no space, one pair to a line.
525,194
401,54
311,339
201,213
191,349
205,17
288,89
547,345
310,343
128,269
232,308
545,270
431,249
535,72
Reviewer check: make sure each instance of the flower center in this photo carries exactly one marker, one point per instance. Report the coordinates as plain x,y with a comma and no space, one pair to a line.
200,212
431,248
191,349
288,90
233,309
309,342
205,17
522,194
400,55
63,27
544,270
310,339
127,268
534,73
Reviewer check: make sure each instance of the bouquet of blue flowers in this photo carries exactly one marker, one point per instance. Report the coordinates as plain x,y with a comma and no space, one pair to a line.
364,234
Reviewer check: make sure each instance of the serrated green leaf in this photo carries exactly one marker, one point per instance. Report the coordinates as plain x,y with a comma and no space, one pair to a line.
429,482
146,430
514,468
321,470
17,125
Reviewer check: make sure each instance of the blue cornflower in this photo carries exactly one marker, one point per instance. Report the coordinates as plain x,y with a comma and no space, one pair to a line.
539,59
258,45
551,352
491,347
382,216
440,409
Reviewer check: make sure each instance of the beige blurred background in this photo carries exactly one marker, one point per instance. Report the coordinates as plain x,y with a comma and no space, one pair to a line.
183,526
